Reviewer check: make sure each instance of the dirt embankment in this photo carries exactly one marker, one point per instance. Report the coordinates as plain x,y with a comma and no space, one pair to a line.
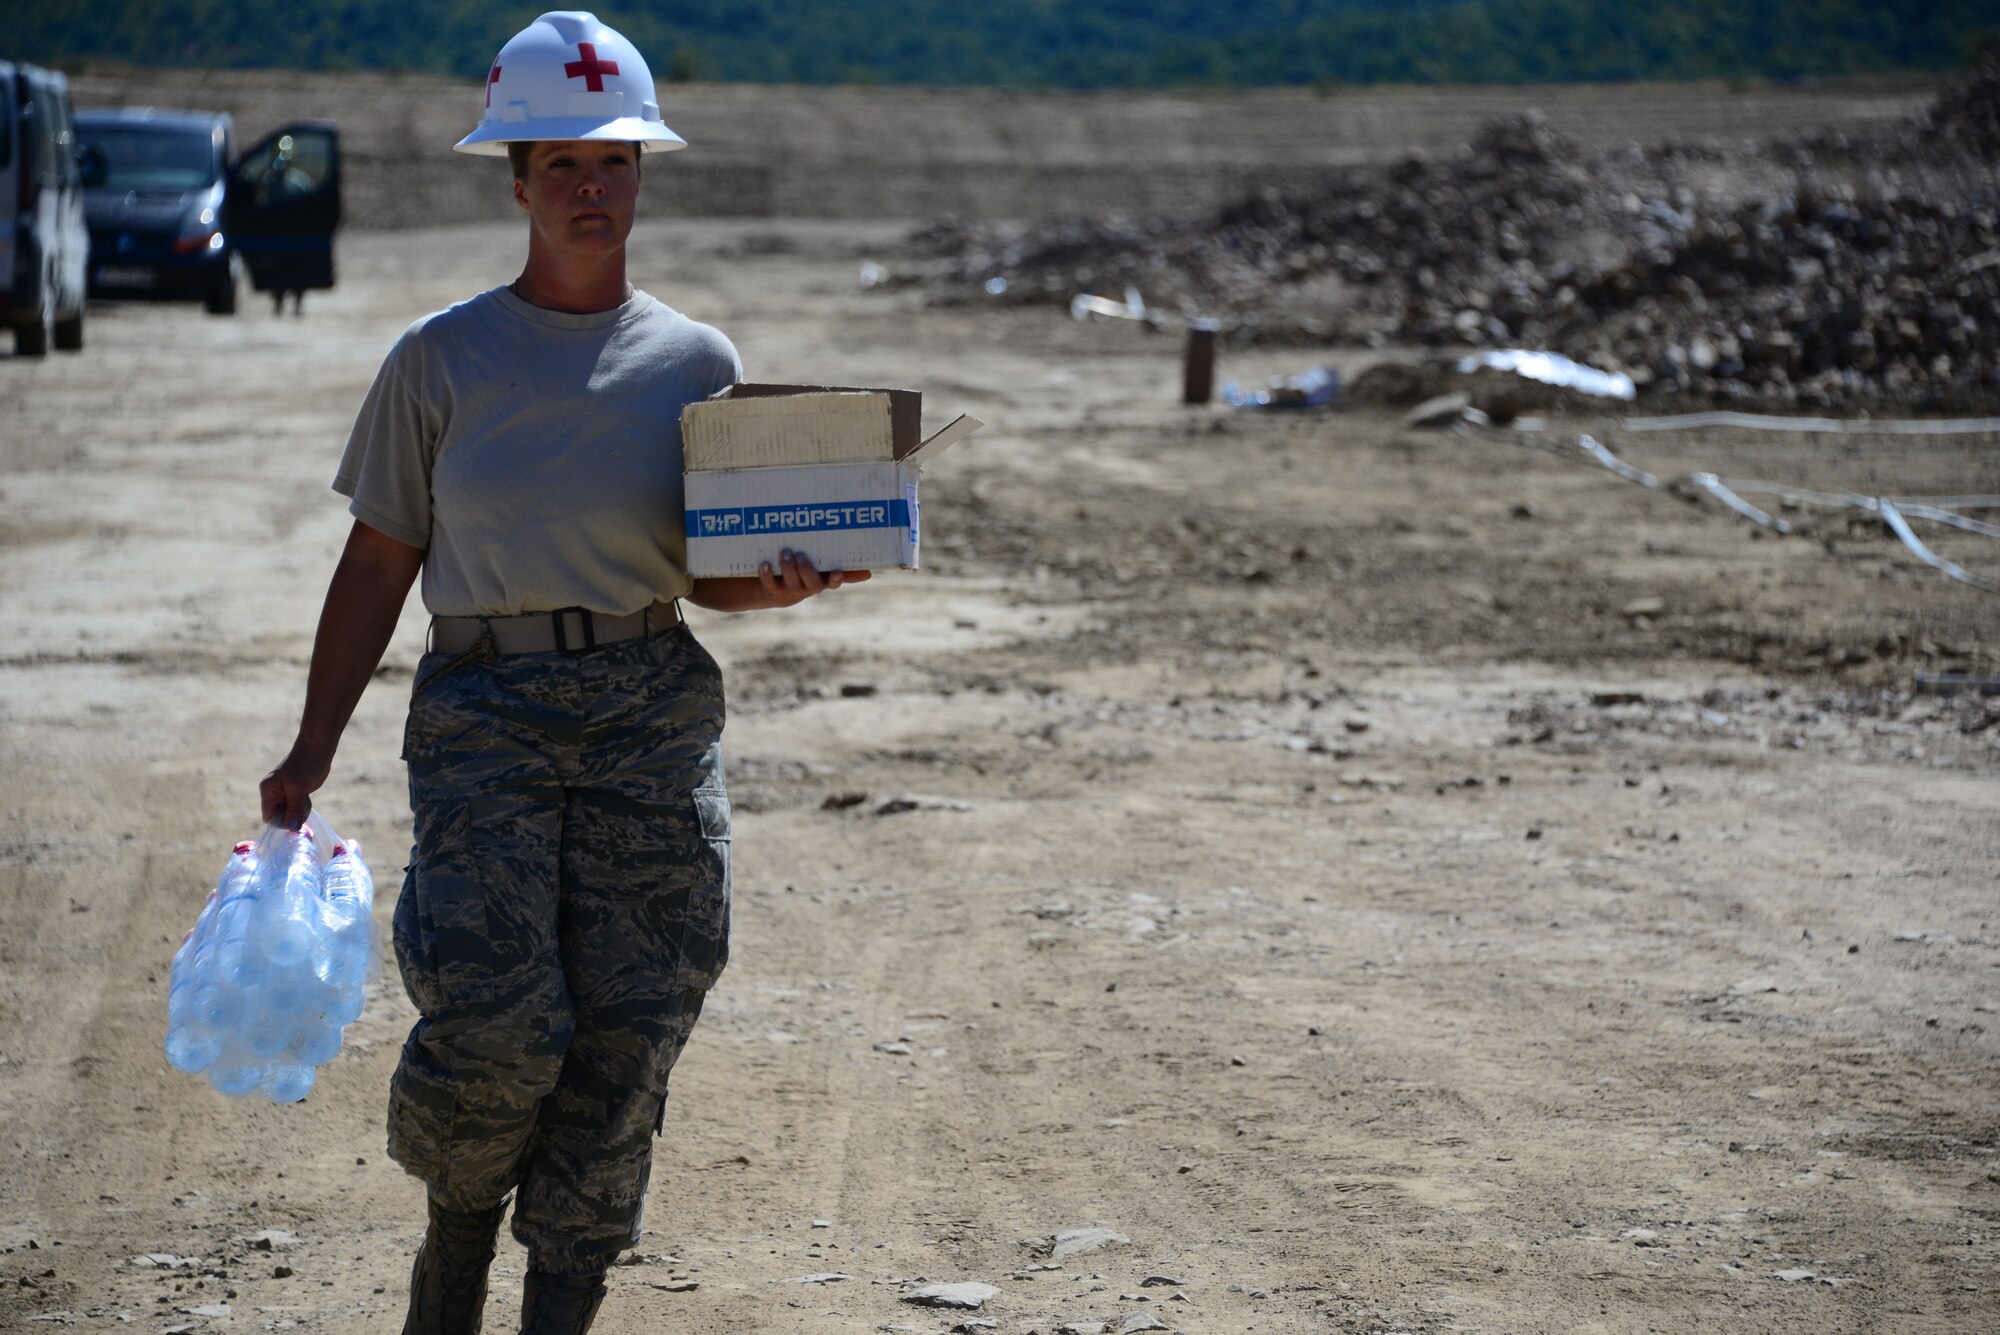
908,153
1856,266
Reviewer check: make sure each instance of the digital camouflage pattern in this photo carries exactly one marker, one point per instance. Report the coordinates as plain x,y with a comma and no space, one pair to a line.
565,910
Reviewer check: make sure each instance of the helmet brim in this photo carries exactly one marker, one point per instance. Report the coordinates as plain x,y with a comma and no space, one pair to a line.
491,138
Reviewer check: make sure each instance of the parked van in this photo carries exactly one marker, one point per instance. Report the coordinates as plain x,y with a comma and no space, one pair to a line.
44,246
174,213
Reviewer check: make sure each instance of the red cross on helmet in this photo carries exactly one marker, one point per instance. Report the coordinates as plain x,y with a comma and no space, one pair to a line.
567,76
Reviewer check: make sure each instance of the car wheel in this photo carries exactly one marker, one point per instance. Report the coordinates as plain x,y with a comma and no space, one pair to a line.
69,331
32,340
220,299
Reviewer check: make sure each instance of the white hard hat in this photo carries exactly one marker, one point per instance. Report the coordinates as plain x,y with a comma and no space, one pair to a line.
567,76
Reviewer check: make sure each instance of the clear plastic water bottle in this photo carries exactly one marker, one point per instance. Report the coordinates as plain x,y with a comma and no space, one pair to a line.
262,1039
347,892
237,1071
192,1044
200,1010
296,1000
316,1045
237,962
286,1082
287,916
348,1005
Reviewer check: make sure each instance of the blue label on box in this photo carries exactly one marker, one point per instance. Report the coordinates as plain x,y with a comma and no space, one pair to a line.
818,517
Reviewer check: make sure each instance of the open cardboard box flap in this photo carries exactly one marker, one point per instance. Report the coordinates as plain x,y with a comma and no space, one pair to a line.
762,426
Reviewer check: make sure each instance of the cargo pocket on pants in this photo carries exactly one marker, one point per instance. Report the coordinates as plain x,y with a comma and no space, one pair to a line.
705,939
423,1104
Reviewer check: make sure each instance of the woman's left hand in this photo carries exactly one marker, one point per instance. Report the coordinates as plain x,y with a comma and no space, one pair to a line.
795,580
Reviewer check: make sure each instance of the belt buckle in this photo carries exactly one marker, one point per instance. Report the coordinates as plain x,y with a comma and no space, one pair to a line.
562,634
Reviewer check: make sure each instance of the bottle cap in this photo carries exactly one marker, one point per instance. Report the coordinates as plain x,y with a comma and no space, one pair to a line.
245,847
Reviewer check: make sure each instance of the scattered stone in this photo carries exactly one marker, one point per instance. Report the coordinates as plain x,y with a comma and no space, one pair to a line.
1645,607
1141,1321
822,1223
1076,1241
271,1239
210,1309
894,1049
823,1277
896,806
1081,1328
968,1294
282,1272
166,1261
1357,725
1443,410
1605,699
973,1324
1161,1282
678,1286
647,1258
1793,1276
842,801
859,690
1641,1237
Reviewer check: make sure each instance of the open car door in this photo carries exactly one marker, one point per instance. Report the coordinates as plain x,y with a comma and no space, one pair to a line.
283,205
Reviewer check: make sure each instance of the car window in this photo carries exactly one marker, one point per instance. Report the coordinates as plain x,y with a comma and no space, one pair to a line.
152,157
287,167
47,127
8,92
66,164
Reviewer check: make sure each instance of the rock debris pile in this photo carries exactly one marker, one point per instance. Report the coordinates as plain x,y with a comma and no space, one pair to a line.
1819,269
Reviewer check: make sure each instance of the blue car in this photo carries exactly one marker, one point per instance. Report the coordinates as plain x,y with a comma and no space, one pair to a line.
174,214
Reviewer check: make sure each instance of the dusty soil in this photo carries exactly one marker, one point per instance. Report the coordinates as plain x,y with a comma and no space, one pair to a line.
1399,881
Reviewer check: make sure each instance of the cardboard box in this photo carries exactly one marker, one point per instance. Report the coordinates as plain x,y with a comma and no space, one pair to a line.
827,471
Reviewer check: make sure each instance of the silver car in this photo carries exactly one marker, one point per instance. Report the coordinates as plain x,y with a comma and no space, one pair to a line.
44,245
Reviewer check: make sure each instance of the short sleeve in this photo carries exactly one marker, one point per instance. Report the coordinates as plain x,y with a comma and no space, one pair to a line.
386,470
728,365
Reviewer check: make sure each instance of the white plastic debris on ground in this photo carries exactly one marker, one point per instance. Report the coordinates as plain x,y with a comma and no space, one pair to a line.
1554,369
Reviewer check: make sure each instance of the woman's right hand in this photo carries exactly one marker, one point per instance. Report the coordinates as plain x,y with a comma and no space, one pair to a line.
286,792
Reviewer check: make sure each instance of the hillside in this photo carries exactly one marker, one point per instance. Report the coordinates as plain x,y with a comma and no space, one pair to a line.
1060,43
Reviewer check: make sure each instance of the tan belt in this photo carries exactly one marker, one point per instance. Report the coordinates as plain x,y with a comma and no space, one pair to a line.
569,630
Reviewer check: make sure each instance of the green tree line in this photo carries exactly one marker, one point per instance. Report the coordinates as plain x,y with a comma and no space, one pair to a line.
1050,43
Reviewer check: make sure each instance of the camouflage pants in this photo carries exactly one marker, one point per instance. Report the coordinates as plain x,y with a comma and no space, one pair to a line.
565,910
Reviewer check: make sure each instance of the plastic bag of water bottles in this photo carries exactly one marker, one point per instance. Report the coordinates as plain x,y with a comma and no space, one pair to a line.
275,966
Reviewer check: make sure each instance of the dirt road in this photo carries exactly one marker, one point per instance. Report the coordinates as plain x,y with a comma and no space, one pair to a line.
1394,882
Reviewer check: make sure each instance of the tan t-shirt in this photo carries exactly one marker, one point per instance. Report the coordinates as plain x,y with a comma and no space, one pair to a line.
536,455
